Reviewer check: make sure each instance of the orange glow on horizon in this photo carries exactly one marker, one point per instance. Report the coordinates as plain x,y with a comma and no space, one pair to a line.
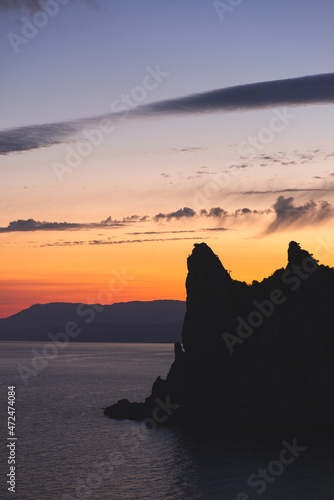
107,274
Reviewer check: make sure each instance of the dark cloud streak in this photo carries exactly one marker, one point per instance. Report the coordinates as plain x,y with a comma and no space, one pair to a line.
35,6
316,89
182,212
117,242
289,215
289,190
22,225
313,89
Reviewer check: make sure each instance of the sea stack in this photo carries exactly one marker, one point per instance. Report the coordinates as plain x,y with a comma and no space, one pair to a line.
259,355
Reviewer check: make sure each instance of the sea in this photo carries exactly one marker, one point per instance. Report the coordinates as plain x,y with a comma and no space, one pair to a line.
65,448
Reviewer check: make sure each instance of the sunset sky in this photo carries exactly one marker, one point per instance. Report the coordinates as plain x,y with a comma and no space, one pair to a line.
111,172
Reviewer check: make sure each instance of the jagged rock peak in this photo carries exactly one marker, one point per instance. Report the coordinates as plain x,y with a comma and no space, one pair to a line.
297,255
202,256
253,356
208,286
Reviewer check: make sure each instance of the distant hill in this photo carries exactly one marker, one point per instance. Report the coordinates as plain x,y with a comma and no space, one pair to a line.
136,321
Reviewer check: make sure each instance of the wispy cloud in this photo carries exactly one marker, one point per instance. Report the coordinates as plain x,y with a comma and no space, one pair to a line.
220,213
183,231
214,212
287,214
116,242
35,5
182,212
284,212
186,150
217,213
288,158
316,89
313,89
33,225
289,190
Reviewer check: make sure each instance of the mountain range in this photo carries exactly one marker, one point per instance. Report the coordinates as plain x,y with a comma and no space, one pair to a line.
136,321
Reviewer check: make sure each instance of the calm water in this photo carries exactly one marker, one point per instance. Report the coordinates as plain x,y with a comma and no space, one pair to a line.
67,449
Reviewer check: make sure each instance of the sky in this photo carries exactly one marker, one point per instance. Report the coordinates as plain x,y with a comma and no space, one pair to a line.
131,130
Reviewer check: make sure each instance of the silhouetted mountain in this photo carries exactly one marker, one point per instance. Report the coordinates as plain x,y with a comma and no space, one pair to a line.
154,321
259,355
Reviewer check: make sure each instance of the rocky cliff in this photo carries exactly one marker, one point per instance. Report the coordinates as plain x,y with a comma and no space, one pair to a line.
259,355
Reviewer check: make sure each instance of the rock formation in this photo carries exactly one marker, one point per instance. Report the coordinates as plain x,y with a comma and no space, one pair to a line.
259,355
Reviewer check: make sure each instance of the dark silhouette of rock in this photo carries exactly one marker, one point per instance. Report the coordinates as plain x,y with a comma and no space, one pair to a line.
259,355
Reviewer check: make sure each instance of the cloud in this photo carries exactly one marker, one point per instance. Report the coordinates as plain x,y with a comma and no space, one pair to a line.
202,172
37,136
12,5
117,242
242,165
220,213
290,190
284,210
286,158
148,233
186,150
35,5
178,231
214,212
242,211
313,89
199,173
182,212
33,225
134,218
316,89
287,214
